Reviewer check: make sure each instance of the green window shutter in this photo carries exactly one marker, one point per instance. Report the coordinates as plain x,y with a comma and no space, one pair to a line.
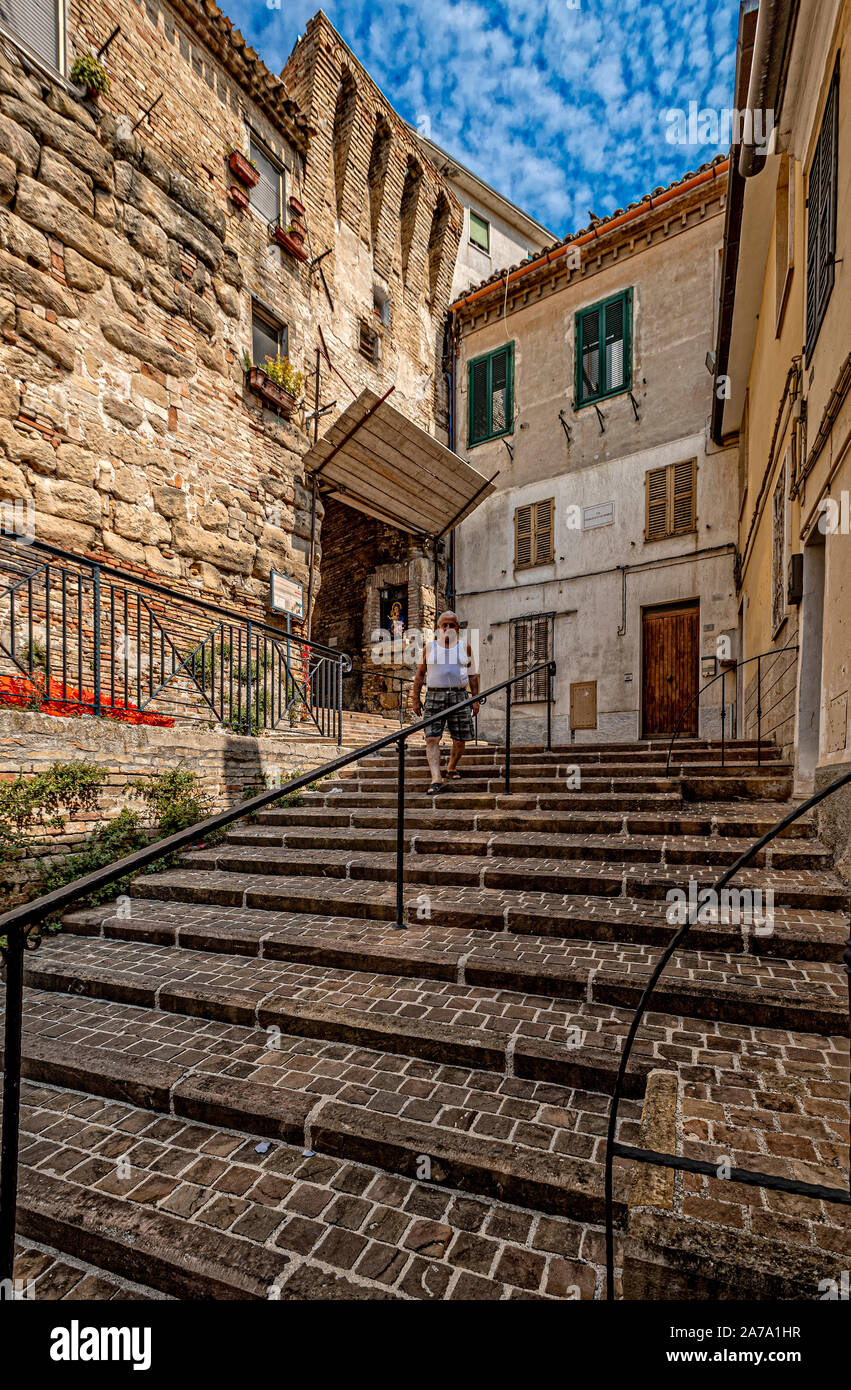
603,349
490,389
478,404
480,231
589,355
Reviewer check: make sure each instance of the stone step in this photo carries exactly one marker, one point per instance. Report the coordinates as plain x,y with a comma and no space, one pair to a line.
457,1025
378,767
638,849
206,1215
528,1139
725,820
493,989
588,878
453,799
799,933
48,1275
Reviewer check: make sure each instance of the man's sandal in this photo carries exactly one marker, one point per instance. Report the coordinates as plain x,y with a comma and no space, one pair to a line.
434,788
453,776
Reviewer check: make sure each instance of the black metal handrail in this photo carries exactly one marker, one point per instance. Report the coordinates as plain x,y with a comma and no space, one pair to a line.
116,645
744,1175
17,925
722,677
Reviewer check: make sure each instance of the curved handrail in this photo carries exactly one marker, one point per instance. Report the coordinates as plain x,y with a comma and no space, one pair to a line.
666,955
722,675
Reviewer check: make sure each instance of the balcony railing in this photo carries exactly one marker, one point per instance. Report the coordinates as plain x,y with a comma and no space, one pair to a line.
80,637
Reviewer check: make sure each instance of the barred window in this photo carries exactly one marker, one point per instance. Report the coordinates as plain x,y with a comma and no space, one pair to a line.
821,216
531,641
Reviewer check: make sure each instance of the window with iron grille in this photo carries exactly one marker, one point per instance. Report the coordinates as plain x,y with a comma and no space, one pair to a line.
39,25
603,347
534,537
490,392
531,641
268,197
268,337
670,500
821,216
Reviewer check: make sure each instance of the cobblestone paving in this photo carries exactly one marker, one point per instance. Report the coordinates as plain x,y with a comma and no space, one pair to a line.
422,1241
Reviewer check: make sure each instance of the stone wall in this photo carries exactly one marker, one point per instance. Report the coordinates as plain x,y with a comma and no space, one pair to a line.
127,278
228,766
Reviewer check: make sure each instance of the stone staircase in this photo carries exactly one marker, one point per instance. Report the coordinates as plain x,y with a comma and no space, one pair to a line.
245,1082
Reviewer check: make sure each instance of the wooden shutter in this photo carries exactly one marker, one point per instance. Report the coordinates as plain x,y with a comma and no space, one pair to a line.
36,23
478,388
523,537
670,500
682,513
533,534
656,495
543,518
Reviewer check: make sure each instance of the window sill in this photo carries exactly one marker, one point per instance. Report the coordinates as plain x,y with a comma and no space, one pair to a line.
671,535
598,400
504,434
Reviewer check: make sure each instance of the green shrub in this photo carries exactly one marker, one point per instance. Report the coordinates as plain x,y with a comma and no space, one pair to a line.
88,72
174,800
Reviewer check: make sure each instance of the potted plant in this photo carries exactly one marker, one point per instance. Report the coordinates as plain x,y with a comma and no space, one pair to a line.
297,207
90,74
243,168
276,382
290,243
239,197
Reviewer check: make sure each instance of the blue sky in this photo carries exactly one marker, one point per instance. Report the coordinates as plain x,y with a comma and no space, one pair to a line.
562,105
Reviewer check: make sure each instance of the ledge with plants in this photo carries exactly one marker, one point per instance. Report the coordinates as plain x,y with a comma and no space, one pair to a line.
291,239
90,75
243,168
277,382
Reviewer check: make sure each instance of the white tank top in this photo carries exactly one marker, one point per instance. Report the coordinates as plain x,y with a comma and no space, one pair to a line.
447,667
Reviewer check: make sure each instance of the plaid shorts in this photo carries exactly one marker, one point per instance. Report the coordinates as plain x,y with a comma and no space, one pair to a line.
439,703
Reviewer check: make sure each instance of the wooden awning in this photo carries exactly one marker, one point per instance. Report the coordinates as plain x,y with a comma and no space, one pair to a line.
376,461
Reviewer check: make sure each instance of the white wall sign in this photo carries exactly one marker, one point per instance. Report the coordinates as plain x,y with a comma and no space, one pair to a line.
285,595
601,515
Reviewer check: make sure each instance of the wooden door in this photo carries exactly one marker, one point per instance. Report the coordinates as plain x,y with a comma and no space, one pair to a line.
670,663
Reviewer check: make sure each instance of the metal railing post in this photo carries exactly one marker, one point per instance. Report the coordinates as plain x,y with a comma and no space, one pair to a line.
96,662
400,840
723,714
248,681
14,958
759,712
508,740
339,709
549,710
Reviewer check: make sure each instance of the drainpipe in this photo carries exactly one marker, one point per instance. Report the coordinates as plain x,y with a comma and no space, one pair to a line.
772,43
449,373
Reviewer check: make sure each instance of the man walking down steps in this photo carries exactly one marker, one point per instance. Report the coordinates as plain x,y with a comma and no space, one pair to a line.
446,667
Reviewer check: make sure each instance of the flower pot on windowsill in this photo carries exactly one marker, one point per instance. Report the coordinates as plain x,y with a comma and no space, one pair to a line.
291,246
239,197
297,208
242,169
262,385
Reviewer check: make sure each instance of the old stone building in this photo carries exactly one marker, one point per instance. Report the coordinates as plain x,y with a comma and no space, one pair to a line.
162,240
784,389
609,542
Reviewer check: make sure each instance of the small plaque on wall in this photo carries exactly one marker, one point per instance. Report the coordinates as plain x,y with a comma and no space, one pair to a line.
286,595
603,514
